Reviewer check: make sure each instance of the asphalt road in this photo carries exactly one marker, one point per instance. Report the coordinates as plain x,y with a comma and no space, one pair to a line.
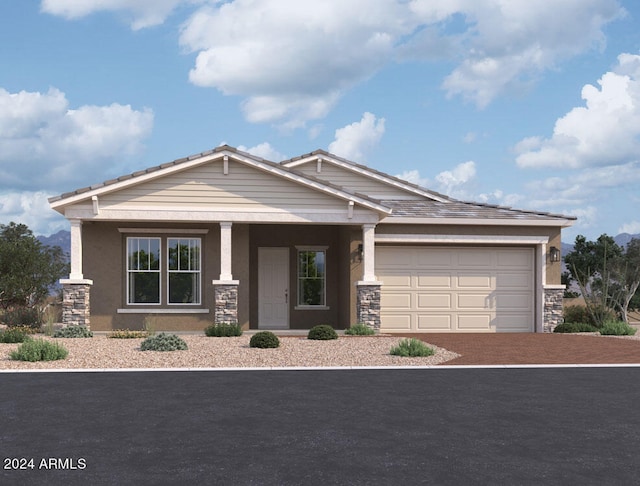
435,426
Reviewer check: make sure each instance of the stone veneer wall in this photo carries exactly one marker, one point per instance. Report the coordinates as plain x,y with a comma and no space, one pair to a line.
76,304
226,303
553,311
368,305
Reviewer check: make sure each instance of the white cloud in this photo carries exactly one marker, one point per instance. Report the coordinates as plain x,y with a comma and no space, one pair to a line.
354,141
45,144
453,182
292,61
265,151
632,228
414,177
140,13
31,208
604,132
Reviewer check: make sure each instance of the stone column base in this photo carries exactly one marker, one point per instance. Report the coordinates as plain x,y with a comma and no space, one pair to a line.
226,301
553,310
368,304
76,308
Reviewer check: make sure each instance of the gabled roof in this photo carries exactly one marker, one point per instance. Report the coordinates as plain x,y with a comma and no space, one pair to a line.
57,202
367,171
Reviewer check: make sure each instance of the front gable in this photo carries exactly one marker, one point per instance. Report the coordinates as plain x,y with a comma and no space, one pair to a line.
223,184
359,178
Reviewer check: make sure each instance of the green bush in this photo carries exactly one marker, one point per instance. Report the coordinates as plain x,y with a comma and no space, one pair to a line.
411,348
73,332
617,328
14,335
127,334
163,342
360,330
570,327
323,332
264,339
23,316
223,329
39,350
580,314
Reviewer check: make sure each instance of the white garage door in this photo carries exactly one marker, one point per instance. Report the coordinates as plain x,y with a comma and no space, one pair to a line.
433,289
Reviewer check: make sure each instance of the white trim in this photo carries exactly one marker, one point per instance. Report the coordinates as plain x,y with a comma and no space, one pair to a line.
225,282
198,215
76,250
226,247
468,239
478,221
540,274
155,310
169,231
96,204
554,287
75,281
370,282
368,252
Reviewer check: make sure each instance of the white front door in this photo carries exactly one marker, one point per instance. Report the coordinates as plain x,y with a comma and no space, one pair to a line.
273,288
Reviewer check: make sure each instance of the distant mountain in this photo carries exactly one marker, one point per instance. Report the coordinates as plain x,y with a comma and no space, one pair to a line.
62,239
622,239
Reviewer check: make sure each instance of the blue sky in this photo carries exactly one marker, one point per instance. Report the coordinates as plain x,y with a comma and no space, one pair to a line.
534,105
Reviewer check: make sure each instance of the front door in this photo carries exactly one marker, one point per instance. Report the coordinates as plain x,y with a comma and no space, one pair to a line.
273,288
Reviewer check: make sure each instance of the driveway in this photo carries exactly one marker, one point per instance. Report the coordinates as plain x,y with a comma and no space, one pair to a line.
534,348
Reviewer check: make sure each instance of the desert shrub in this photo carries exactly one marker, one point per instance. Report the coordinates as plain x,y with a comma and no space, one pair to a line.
73,332
360,330
163,342
323,332
13,335
39,350
127,334
23,316
264,339
617,328
223,329
570,327
411,348
580,314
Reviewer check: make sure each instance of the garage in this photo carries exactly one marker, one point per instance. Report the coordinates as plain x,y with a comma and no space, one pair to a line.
456,289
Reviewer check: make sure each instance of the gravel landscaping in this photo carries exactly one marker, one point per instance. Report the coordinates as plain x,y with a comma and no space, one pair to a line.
101,352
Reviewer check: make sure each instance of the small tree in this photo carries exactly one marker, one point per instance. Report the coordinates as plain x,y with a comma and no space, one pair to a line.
608,276
28,269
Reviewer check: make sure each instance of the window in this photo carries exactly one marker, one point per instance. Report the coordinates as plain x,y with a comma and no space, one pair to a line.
146,271
184,270
143,270
311,277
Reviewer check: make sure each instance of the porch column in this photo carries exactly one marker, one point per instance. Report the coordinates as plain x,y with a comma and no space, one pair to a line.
76,289
368,289
226,289
368,250
225,251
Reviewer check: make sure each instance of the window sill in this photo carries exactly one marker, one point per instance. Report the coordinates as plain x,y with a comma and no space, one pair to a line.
162,310
312,307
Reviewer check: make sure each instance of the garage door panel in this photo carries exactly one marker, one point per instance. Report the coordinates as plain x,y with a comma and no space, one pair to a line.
474,322
473,301
457,289
434,322
513,281
434,301
508,302
477,281
396,281
399,301
396,322
435,281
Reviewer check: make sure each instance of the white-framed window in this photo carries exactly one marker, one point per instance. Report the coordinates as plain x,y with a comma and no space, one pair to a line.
148,273
183,270
312,288
143,271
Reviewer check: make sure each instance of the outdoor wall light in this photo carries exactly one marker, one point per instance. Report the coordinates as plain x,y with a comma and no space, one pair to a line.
360,253
554,254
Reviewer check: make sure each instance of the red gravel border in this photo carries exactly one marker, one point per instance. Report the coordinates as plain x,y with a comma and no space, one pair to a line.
533,348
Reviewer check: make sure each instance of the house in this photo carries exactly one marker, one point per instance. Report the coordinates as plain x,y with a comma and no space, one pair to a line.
226,236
